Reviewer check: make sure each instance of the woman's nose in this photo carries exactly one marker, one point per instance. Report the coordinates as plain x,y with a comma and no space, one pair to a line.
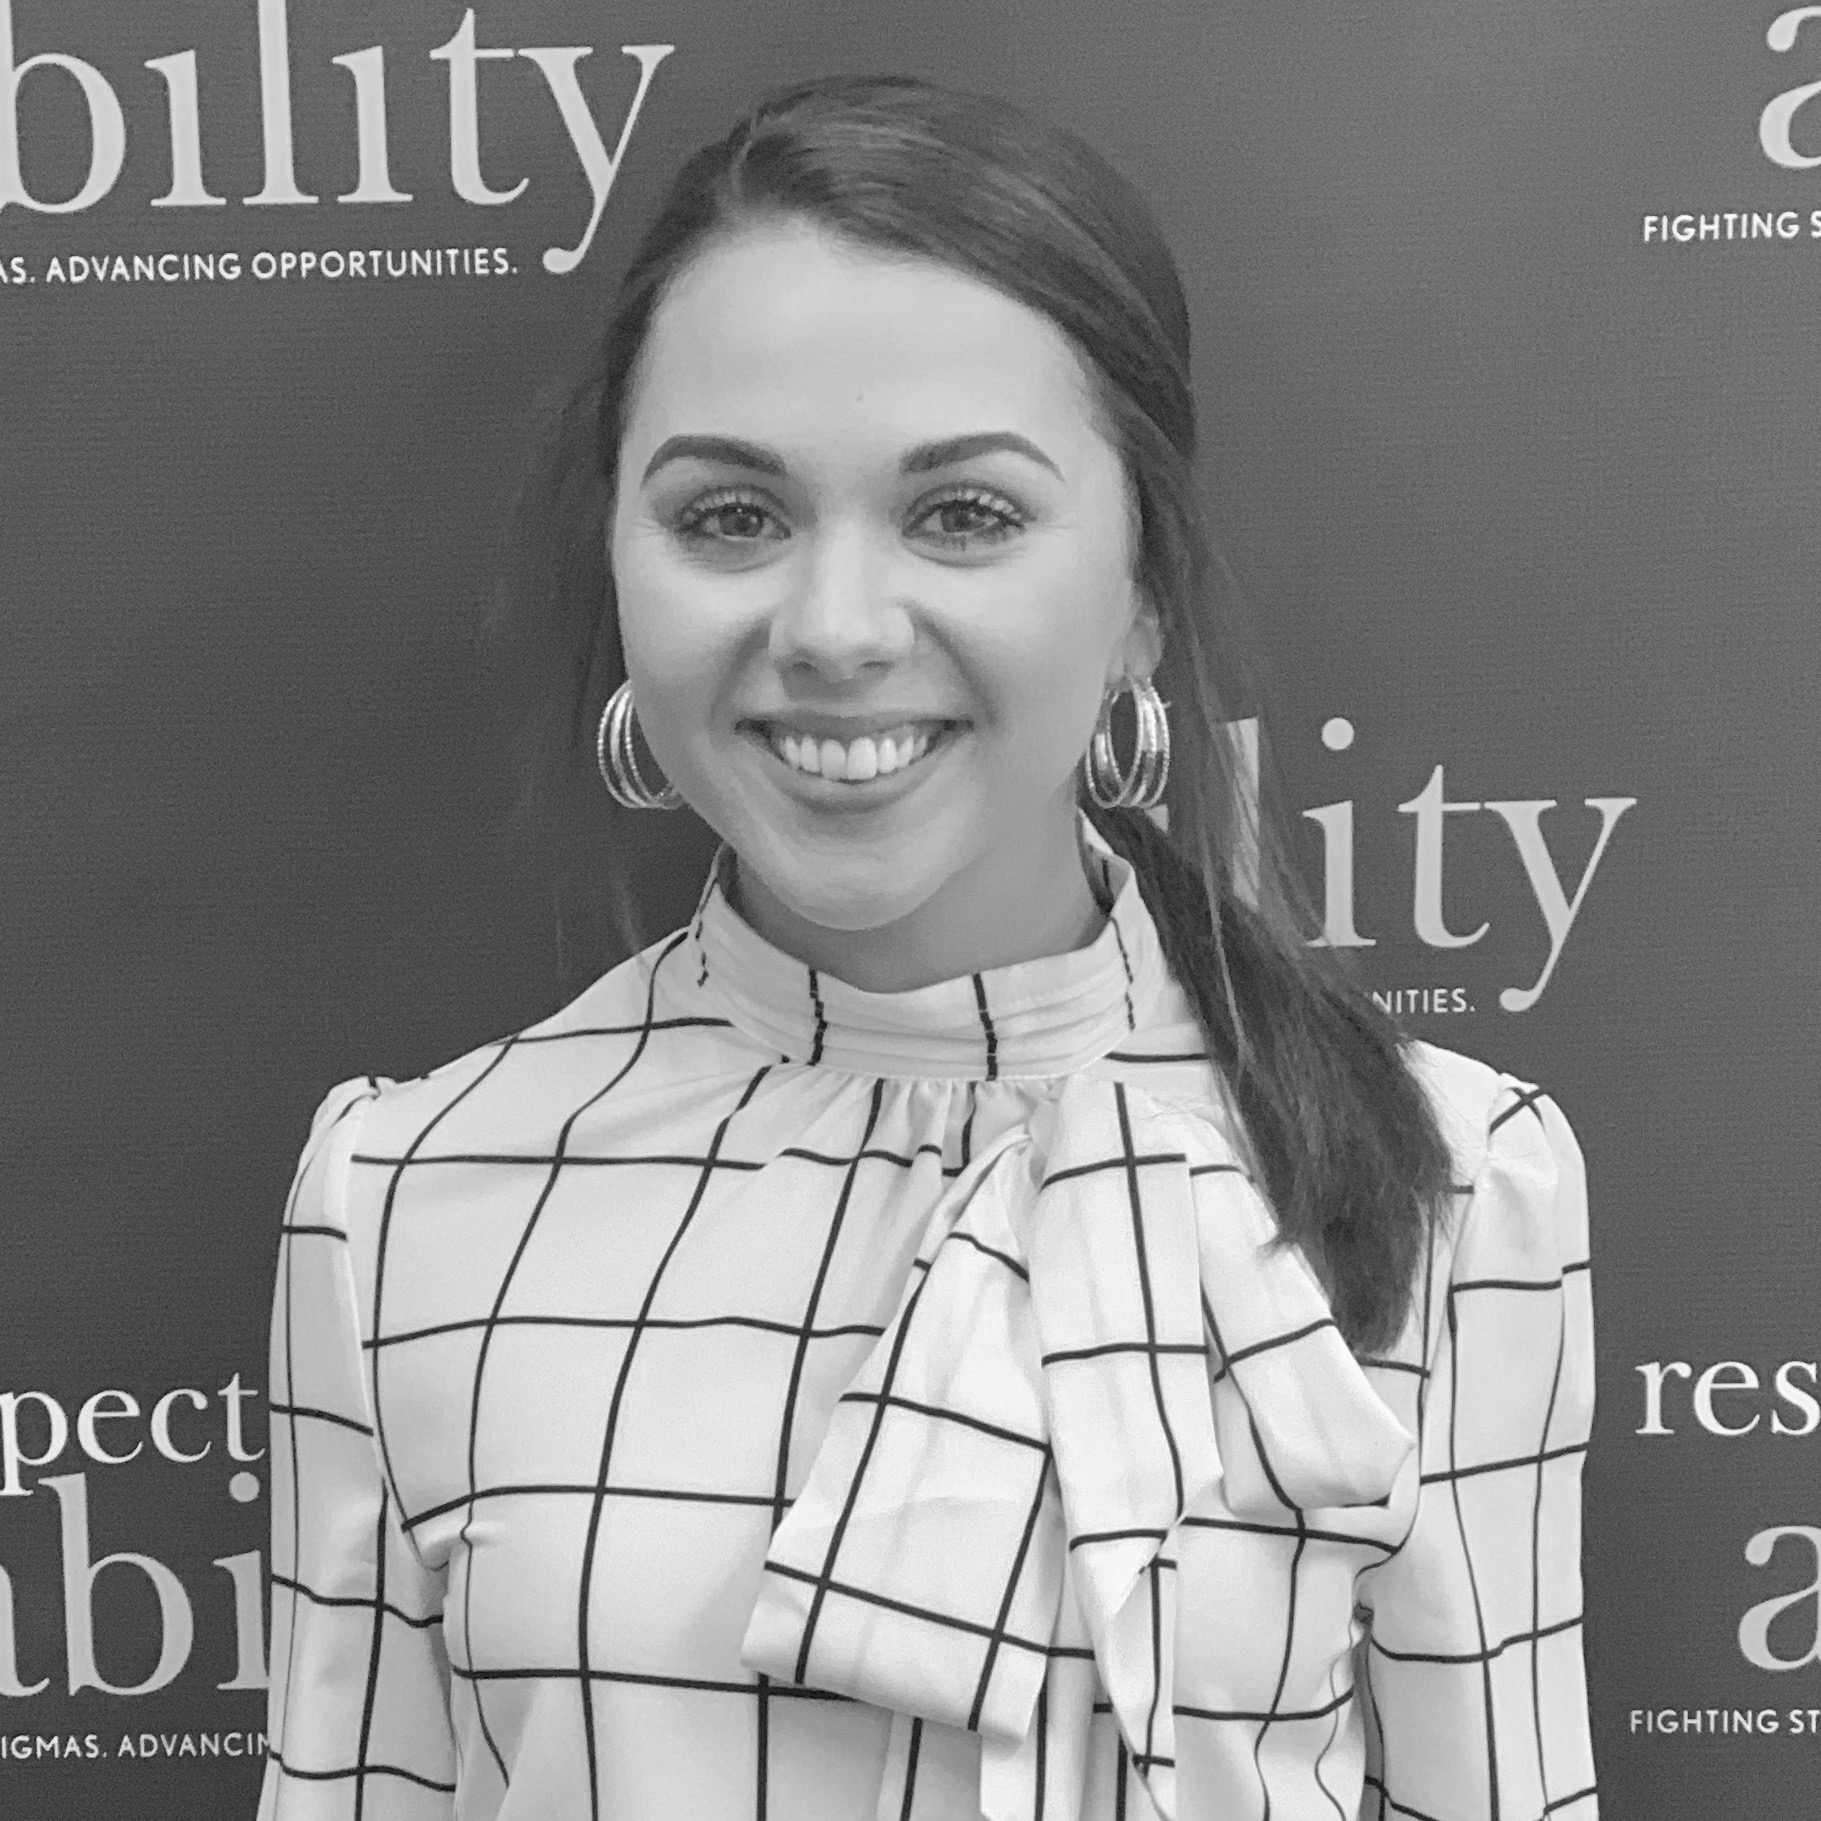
841,610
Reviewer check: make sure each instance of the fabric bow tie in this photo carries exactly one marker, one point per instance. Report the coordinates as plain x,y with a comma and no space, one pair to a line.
1098,1328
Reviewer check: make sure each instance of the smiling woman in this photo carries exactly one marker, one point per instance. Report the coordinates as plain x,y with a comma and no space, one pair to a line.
985,1320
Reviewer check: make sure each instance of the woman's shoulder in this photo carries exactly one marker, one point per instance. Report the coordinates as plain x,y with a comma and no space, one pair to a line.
1518,1169
644,996
1475,1101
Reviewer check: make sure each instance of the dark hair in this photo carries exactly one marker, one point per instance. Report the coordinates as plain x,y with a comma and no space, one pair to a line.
1340,1132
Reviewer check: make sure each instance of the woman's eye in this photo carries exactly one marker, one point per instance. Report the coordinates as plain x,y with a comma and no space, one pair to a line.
729,519
970,519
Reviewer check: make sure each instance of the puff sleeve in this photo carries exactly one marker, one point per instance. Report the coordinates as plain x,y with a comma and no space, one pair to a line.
357,1711
1472,1669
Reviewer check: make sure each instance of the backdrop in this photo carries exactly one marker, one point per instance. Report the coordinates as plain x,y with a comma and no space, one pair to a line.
1509,338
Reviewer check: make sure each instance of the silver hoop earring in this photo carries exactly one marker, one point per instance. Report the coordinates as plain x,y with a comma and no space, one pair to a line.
619,763
1142,786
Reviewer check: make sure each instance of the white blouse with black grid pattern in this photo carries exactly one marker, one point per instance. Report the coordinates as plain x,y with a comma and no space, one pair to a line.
672,1419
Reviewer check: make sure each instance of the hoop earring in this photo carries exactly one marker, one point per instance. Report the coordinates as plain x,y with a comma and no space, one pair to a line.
1142,786
619,764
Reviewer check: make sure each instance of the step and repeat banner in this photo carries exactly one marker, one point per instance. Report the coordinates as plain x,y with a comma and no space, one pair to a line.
1509,353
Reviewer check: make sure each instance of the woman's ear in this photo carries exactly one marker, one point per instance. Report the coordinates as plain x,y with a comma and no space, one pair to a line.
1142,648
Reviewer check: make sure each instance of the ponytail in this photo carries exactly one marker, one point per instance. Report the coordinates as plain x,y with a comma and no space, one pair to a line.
1341,1137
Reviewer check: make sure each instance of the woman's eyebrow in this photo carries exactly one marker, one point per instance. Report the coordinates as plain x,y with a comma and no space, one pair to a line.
964,448
920,460
714,449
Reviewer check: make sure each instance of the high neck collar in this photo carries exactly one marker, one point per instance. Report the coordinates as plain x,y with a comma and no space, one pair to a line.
1045,1017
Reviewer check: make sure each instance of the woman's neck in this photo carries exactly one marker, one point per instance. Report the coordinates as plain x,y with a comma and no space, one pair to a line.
976,921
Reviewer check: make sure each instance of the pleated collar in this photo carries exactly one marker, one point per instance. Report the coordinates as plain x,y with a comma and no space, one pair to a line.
1044,1017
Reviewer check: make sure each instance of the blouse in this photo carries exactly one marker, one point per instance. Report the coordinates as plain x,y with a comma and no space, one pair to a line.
745,1397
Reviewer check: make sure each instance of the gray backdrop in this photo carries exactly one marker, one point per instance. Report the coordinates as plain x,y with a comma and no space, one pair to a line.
1516,484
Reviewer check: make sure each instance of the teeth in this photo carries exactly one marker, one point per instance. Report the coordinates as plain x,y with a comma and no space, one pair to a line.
867,757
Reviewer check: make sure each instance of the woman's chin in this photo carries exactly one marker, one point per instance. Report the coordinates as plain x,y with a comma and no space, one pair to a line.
852,892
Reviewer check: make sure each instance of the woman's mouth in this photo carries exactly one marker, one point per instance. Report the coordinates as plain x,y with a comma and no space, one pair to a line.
857,761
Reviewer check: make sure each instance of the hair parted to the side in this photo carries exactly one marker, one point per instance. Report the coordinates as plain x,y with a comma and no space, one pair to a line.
1340,1131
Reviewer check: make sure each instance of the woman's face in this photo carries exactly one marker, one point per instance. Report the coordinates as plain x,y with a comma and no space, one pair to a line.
873,557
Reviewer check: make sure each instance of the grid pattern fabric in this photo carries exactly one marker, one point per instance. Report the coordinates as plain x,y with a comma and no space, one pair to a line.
577,1334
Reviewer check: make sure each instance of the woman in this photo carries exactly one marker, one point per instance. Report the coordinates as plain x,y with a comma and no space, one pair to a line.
962,1327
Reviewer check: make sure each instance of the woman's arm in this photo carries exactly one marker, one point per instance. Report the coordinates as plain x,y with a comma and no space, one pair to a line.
1477,1696
358,1710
